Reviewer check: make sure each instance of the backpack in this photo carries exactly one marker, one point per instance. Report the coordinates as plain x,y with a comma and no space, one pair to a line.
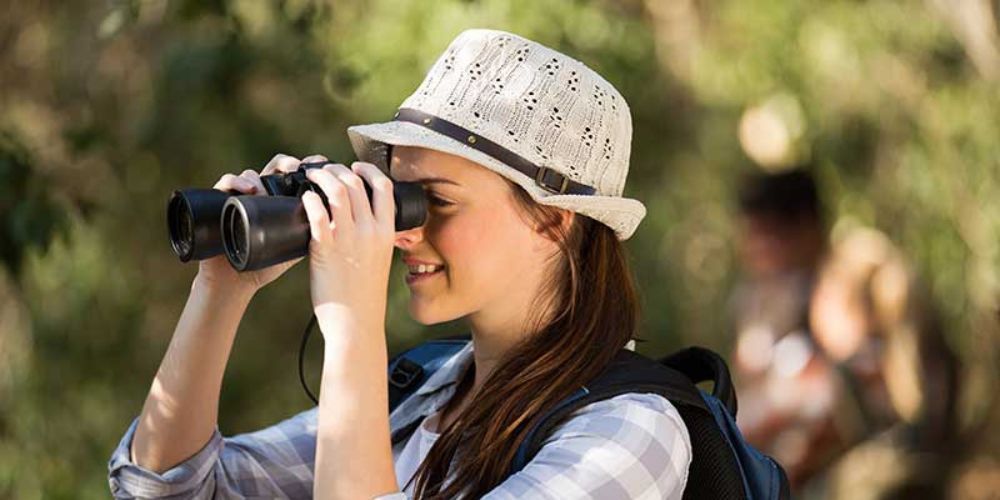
723,465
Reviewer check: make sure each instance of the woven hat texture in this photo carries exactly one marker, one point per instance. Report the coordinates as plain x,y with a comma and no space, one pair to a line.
538,103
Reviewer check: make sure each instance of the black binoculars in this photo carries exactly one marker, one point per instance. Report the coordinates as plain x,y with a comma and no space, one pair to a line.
259,231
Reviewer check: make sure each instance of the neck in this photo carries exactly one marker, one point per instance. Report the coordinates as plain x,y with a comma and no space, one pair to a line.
494,333
491,344
506,322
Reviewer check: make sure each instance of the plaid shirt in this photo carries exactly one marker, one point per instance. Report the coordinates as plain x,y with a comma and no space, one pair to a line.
629,446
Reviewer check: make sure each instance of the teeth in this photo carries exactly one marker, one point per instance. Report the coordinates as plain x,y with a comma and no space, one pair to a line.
424,268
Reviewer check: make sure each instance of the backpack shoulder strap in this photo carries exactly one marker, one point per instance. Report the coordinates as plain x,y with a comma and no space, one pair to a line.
410,369
714,471
628,372
704,365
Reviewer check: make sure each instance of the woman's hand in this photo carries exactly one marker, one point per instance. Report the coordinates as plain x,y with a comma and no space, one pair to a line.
349,258
351,252
217,272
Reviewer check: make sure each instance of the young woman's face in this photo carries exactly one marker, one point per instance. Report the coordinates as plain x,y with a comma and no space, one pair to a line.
476,254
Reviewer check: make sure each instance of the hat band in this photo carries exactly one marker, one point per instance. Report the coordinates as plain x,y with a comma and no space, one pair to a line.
548,179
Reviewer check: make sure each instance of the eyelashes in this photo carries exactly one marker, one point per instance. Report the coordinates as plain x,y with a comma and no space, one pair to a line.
438,202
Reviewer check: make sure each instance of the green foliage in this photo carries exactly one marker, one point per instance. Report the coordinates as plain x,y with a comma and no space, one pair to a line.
112,105
30,217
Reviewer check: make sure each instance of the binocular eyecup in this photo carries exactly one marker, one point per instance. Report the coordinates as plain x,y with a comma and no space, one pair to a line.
255,232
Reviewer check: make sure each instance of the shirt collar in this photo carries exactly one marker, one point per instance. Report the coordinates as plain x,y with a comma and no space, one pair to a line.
434,393
452,370
449,373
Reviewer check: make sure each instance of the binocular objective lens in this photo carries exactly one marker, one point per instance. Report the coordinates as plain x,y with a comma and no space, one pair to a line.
186,230
181,228
236,235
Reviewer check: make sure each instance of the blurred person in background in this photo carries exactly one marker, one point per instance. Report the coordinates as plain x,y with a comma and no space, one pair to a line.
843,371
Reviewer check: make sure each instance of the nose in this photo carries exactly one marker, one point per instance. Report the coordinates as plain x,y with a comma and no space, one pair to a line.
408,239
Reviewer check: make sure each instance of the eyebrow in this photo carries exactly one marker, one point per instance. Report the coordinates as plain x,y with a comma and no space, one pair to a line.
437,180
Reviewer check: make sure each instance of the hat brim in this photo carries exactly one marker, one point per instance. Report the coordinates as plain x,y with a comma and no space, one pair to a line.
370,145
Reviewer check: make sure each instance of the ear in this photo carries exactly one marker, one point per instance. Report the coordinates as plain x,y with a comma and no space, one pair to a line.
565,222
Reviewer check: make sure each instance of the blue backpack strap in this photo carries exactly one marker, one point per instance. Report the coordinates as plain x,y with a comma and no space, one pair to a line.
721,461
412,368
628,372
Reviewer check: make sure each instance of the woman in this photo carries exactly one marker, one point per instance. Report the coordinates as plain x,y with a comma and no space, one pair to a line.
523,153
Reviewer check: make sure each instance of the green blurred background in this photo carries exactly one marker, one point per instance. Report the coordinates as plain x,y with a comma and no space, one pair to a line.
107,106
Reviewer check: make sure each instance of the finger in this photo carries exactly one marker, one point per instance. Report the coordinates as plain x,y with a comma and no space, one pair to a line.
254,178
230,182
281,163
383,206
319,222
315,159
361,207
336,195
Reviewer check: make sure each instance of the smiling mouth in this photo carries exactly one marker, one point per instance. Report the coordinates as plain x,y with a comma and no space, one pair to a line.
421,272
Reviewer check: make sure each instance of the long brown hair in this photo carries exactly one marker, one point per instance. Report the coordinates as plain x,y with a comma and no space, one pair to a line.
596,310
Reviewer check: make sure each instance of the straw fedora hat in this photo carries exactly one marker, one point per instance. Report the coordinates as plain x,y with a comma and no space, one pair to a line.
533,115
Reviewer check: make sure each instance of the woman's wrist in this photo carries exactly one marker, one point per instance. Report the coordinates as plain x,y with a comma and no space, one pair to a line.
348,338
229,291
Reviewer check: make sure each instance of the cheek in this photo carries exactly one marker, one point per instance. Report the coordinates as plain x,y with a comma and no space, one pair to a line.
484,250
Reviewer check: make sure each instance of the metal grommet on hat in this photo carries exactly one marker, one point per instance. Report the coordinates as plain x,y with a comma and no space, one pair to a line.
529,113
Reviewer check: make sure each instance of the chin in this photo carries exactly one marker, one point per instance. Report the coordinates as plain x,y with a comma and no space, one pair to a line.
429,314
